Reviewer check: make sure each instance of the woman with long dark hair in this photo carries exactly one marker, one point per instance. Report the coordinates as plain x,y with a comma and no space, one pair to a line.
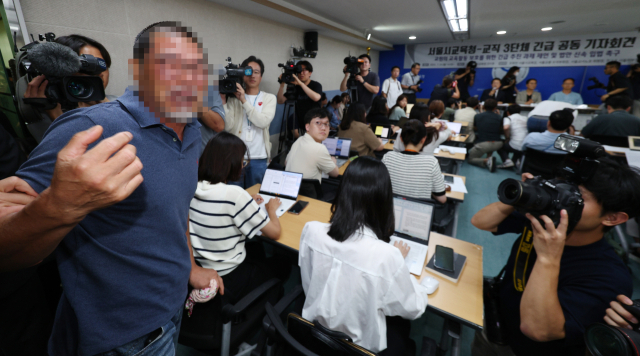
355,281
354,126
399,110
437,132
509,85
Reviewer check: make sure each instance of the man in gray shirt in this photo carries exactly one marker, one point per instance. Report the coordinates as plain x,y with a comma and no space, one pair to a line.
410,83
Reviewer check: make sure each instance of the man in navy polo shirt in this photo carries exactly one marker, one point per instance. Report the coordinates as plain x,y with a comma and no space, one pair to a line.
125,268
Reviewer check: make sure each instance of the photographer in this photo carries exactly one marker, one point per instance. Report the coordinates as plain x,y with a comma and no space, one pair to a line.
634,79
557,283
445,91
508,83
618,83
81,45
248,116
307,96
367,82
466,78
410,83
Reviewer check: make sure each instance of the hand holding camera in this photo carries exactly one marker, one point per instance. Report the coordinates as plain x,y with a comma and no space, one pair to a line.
36,89
548,240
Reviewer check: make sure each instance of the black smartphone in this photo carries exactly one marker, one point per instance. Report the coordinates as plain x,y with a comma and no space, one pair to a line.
298,207
444,258
448,179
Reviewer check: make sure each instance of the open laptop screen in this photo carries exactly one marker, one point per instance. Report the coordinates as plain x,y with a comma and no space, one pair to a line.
281,184
413,217
338,146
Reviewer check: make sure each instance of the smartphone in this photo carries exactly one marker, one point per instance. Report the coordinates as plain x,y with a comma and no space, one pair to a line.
298,207
448,179
455,83
444,258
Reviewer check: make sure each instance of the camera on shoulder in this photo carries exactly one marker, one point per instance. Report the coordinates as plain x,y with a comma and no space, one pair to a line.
233,74
353,65
548,197
288,70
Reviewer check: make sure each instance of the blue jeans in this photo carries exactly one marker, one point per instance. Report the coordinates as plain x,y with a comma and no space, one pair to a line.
252,174
160,342
537,124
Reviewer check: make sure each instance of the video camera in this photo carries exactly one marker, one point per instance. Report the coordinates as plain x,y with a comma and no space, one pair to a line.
234,74
59,63
288,70
596,84
605,340
353,65
540,196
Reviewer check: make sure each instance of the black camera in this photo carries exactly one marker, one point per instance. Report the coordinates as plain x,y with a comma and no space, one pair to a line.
234,74
605,340
596,84
418,89
353,65
539,196
473,65
58,63
288,70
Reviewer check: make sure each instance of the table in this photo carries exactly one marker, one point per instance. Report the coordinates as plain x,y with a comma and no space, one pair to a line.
456,195
460,301
442,154
584,114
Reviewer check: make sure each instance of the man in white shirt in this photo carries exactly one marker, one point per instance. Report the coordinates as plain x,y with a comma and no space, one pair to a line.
467,114
410,83
567,95
515,130
248,116
540,114
308,155
391,88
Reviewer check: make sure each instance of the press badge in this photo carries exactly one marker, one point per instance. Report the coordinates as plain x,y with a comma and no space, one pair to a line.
249,133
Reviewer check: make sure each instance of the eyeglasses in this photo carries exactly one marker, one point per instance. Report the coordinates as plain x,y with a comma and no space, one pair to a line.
321,125
245,162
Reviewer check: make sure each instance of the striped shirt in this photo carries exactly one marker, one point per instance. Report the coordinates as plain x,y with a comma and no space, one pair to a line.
221,218
414,175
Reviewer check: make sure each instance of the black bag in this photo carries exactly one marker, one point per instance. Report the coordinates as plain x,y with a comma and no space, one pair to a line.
492,322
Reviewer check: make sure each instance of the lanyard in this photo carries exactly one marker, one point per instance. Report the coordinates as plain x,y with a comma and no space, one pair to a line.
254,105
522,259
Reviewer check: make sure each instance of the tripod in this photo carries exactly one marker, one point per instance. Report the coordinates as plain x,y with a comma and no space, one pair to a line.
289,109
352,89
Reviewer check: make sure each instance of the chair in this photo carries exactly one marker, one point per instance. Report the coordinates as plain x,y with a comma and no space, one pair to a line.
217,328
278,161
616,141
540,163
311,188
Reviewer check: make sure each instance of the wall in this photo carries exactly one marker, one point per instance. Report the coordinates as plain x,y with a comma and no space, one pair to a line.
224,32
549,78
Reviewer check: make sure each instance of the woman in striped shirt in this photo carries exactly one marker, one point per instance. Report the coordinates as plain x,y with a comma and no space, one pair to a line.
222,217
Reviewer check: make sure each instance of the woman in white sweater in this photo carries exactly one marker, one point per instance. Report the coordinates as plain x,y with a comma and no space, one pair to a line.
354,280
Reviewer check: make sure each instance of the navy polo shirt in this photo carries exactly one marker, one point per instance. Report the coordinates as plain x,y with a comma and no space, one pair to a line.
125,268
591,276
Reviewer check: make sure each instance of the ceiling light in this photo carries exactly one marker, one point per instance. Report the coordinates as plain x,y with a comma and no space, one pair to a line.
456,12
412,37
501,32
464,25
455,27
547,28
367,34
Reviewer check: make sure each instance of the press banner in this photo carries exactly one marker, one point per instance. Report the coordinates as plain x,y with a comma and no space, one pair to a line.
584,50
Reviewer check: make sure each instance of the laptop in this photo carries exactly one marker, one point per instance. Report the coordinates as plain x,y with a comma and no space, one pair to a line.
338,147
413,225
383,131
281,184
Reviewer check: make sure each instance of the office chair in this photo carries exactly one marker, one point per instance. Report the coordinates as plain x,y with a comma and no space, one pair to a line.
540,163
311,188
278,161
217,327
615,141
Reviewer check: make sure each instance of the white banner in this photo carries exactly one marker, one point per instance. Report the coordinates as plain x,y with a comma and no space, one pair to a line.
585,50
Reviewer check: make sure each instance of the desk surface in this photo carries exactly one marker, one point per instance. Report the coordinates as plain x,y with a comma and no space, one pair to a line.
442,154
459,138
462,300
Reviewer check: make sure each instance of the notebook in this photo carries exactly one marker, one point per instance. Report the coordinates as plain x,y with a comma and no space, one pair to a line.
283,185
339,148
459,261
413,226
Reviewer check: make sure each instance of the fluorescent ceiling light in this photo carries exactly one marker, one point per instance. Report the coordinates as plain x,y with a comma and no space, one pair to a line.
461,6
456,13
454,25
547,28
501,32
464,25
412,37
449,9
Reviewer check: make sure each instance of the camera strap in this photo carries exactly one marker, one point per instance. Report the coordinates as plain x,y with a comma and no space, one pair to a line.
522,259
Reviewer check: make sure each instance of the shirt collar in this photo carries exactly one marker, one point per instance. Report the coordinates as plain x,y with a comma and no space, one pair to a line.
145,118
364,231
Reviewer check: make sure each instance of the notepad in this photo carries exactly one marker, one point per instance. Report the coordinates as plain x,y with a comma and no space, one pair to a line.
379,130
416,256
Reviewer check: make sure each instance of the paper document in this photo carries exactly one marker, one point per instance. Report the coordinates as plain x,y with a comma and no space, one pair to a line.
452,149
454,126
416,257
457,185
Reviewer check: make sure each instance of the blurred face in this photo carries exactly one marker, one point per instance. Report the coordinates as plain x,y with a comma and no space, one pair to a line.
96,53
610,69
567,85
324,102
415,70
318,128
591,214
532,84
403,103
253,81
495,84
304,75
365,65
395,73
173,77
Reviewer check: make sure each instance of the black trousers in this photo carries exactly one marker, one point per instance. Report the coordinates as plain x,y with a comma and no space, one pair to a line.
506,149
411,98
398,341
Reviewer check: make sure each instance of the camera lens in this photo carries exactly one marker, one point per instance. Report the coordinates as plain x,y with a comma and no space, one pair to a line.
606,340
524,195
78,89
